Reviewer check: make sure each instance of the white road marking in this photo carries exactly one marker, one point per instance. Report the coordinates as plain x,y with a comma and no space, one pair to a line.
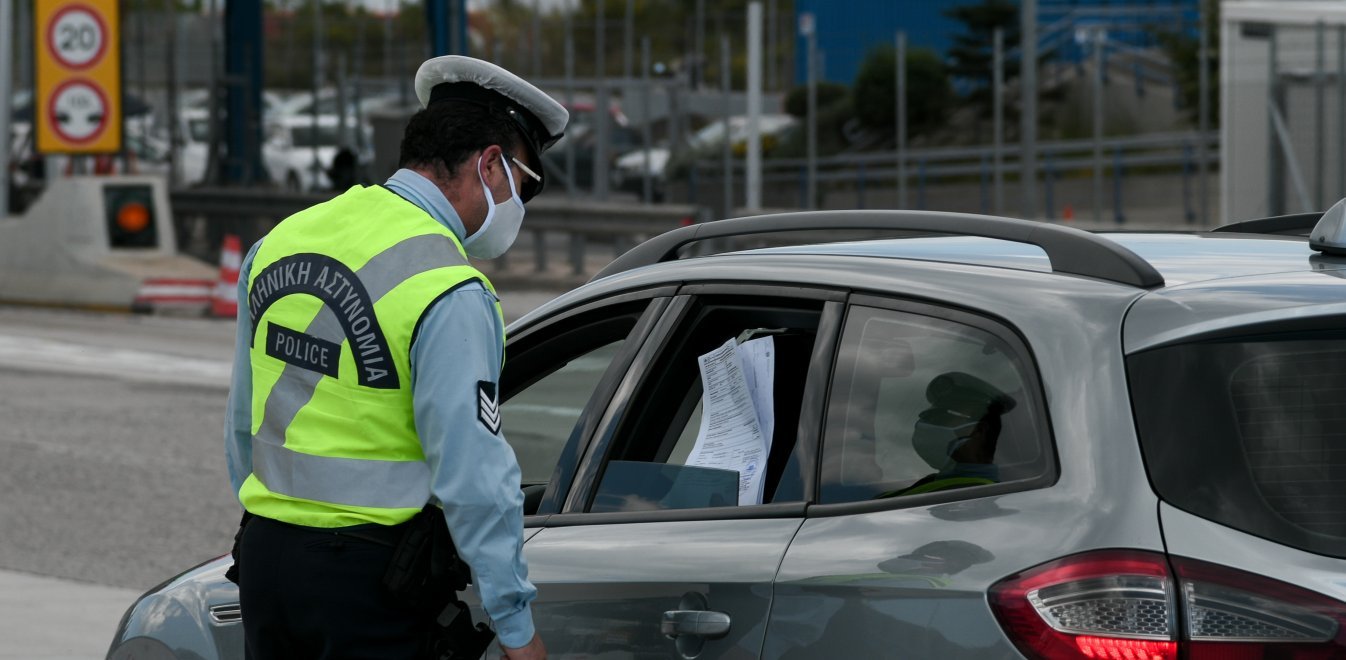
48,355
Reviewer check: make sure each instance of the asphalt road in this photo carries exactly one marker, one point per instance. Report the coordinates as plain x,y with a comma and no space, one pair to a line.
111,463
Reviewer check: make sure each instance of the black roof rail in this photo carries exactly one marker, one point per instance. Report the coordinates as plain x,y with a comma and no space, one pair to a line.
1069,250
1295,224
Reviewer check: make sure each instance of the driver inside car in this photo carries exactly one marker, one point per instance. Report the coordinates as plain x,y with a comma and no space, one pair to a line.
957,434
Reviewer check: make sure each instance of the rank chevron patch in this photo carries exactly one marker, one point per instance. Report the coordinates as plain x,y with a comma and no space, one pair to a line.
488,406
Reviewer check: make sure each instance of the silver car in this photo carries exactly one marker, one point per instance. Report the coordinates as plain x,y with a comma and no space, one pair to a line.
989,439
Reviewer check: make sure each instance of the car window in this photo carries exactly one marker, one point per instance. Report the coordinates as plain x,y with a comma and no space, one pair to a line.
921,404
1259,414
538,421
551,374
748,427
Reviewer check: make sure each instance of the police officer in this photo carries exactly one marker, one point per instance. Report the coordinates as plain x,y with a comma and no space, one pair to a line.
364,384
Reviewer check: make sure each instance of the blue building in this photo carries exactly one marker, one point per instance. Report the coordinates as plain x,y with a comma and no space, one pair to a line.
847,30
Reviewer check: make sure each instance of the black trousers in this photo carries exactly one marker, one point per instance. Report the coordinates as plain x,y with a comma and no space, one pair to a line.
315,594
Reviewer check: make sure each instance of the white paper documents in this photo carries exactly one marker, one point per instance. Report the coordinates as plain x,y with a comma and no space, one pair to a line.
738,414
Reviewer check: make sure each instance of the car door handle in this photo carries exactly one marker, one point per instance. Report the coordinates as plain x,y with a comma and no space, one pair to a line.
700,623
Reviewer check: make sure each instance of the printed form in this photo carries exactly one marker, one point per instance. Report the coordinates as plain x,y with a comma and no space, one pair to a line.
738,414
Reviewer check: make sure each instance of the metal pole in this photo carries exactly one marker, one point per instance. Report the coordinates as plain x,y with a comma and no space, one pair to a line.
628,39
388,41
647,184
811,181
212,170
1319,116
6,85
1099,36
726,171
601,103
357,98
1028,122
754,160
1203,109
141,73
699,60
308,179
1341,110
998,120
536,47
456,29
1291,161
171,86
24,28
1275,179
343,117
570,96
901,66
772,17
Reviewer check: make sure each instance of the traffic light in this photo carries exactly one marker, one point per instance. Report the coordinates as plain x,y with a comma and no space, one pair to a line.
130,216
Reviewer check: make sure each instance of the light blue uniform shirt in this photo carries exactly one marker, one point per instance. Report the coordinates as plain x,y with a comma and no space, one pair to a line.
475,474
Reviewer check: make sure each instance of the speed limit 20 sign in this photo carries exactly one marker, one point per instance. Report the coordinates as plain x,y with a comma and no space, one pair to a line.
78,76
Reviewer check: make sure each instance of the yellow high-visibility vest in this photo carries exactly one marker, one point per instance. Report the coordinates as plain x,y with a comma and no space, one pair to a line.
335,296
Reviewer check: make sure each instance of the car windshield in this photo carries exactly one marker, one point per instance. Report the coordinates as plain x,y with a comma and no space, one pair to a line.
1249,431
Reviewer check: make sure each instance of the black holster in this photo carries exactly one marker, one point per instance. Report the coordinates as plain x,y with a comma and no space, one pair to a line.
232,574
426,573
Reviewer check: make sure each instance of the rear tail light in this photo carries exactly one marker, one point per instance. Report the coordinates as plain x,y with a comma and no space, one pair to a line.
1132,605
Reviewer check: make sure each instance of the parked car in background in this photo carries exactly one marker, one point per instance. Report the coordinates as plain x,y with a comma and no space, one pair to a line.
995,439
581,136
194,151
628,172
306,149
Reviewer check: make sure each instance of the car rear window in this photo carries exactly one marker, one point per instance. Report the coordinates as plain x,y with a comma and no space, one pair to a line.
1250,432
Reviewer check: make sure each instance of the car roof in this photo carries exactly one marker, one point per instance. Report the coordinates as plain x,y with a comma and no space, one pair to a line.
1162,286
1181,258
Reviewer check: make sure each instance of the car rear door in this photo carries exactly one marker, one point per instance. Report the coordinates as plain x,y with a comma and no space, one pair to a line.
936,467
647,558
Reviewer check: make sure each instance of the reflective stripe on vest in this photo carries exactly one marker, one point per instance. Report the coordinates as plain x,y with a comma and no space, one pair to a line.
357,482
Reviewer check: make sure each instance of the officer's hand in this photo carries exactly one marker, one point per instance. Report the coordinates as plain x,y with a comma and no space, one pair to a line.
534,650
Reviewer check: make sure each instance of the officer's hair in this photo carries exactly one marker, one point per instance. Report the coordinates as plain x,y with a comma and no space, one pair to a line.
448,132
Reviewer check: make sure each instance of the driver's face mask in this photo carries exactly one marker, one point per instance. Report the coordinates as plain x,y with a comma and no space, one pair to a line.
938,434
501,226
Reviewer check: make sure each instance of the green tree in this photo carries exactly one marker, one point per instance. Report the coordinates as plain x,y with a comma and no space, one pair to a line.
928,91
971,55
828,94
1183,50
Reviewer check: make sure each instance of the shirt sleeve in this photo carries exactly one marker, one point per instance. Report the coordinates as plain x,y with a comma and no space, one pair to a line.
238,413
474,472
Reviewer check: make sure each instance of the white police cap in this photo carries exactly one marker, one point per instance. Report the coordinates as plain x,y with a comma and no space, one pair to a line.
539,118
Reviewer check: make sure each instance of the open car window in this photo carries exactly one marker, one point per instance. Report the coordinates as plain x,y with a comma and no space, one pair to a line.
713,421
552,378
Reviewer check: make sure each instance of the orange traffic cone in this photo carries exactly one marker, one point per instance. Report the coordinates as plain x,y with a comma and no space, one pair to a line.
1068,213
224,302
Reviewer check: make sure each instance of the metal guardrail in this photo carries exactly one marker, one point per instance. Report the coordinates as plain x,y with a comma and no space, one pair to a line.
251,212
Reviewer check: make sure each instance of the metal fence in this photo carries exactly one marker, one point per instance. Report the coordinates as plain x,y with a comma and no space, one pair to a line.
973,179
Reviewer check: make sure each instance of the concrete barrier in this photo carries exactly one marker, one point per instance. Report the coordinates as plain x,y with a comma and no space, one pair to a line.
96,241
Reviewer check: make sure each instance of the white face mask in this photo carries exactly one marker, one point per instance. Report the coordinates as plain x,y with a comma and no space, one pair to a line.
938,435
501,226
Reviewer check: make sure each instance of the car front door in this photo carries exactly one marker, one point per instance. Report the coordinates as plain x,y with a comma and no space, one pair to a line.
653,554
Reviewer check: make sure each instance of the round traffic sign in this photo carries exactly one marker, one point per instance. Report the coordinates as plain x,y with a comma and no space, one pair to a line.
78,111
77,36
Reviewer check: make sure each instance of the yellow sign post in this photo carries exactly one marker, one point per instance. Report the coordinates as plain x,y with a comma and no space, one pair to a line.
78,96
